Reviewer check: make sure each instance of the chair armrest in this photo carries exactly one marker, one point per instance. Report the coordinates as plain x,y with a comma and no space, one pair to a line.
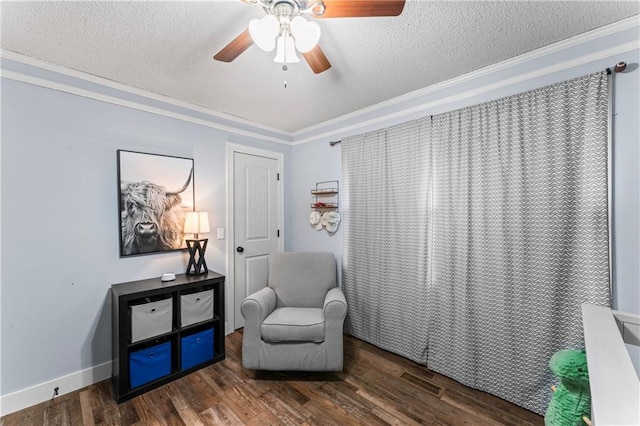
256,307
335,305
335,311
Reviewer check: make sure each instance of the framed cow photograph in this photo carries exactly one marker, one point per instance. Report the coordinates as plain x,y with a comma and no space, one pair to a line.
154,193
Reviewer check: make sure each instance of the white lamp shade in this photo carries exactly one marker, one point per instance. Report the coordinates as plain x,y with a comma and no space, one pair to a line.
286,51
306,33
264,32
196,223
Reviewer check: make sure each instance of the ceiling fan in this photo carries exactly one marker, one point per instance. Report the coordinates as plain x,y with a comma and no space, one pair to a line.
284,28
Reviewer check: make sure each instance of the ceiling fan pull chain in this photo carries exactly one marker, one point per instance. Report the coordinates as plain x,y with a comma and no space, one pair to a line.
284,66
284,75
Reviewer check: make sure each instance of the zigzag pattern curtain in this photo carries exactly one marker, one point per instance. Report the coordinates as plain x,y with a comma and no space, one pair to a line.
386,187
520,235
517,239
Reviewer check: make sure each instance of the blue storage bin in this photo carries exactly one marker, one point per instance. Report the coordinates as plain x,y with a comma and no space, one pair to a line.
197,348
147,365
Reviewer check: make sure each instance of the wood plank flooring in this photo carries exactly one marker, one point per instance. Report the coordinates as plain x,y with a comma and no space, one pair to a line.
371,391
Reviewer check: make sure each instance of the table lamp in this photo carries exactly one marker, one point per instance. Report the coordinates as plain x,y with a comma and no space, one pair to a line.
196,223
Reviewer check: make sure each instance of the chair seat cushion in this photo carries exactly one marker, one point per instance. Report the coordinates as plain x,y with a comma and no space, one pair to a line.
294,325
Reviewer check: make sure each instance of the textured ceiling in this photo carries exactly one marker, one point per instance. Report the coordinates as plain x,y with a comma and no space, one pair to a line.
167,48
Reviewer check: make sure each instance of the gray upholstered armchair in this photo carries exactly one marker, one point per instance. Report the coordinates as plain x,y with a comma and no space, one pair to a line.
295,323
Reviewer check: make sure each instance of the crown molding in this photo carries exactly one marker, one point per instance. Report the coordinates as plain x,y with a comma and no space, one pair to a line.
557,47
520,78
337,126
11,75
285,137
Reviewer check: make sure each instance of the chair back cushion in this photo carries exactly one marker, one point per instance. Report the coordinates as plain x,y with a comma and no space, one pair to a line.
300,279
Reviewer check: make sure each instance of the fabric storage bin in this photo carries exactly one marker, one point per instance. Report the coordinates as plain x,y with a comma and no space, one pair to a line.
197,348
147,365
151,319
196,307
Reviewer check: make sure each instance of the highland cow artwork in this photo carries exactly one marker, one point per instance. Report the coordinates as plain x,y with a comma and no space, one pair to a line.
154,192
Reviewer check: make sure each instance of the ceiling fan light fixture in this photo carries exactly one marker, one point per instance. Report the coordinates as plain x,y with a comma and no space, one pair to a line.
264,32
306,33
286,51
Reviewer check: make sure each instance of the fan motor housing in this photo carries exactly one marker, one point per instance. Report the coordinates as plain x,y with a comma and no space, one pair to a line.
292,8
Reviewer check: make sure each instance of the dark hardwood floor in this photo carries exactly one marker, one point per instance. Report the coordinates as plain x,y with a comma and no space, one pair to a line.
376,388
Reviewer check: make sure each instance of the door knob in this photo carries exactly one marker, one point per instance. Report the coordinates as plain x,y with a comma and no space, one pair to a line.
240,249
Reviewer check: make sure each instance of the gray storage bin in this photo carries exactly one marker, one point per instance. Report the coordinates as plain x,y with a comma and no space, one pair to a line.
196,307
151,319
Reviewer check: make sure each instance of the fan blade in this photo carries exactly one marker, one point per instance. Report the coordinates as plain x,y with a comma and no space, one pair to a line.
361,8
235,48
317,60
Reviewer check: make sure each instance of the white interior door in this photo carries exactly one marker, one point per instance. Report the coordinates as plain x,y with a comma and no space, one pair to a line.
256,202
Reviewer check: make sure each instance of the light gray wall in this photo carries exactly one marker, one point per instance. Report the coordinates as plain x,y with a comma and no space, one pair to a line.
626,189
313,162
60,222
317,161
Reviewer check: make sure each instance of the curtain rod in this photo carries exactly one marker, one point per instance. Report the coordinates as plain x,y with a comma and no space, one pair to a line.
619,67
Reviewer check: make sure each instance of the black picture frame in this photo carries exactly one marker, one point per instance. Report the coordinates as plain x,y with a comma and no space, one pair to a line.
154,193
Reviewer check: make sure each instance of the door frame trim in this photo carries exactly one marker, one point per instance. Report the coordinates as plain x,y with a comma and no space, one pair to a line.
232,148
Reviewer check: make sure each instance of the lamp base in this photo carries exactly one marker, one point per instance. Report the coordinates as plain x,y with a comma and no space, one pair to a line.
197,266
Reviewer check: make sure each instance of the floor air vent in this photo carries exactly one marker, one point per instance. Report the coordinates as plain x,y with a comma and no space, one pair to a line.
423,384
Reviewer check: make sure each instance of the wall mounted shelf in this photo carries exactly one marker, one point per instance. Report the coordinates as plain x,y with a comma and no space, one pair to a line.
327,195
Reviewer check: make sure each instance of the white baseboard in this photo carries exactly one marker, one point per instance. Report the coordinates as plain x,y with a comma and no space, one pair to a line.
33,395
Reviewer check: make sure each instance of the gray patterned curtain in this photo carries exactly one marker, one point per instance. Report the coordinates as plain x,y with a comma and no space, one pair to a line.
386,187
470,244
520,235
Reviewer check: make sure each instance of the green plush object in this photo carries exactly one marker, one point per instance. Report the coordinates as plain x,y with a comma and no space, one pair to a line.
572,399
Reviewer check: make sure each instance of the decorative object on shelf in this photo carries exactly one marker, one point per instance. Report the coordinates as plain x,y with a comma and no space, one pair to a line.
167,276
322,217
333,220
154,193
321,205
314,220
196,223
